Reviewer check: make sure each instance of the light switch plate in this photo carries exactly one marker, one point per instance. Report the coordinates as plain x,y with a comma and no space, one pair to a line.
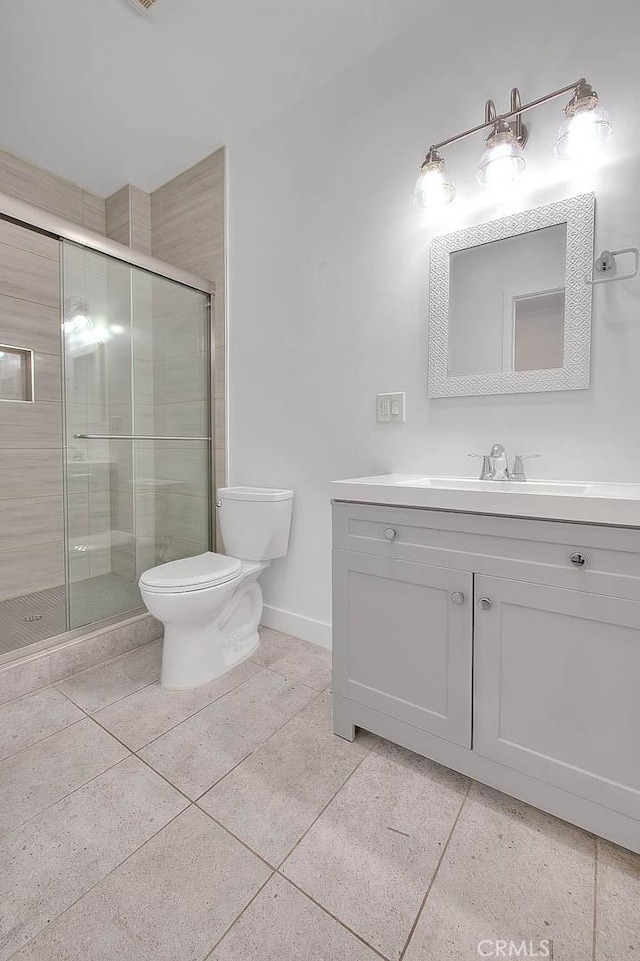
390,408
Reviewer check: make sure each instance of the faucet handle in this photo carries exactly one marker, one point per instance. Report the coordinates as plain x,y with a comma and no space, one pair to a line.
518,473
485,473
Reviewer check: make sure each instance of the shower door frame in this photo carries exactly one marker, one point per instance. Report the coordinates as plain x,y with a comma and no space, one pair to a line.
42,221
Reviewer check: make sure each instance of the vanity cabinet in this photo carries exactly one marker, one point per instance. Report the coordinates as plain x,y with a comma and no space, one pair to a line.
485,644
398,614
557,677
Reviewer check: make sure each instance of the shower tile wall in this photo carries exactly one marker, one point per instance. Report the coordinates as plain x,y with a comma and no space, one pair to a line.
180,393
31,497
188,230
36,186
128,218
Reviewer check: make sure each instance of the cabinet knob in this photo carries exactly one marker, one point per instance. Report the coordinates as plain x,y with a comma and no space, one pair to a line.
457,597
578,559
484,604
390,533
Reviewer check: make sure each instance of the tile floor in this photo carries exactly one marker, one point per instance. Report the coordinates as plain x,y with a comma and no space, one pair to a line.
228,823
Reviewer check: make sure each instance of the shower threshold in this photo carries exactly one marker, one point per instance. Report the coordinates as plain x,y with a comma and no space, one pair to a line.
35,617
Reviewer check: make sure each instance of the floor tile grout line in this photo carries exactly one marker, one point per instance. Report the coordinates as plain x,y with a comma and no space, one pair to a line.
435,873
54,685
67,795
235,920
135,753
333,916
259,746
187,718
45,737
92,716
71,701
235,837
196,800
104,706
230,771
146,763
164,777
595,898
330,801
116,867
227,773
252,751
137,691
199,711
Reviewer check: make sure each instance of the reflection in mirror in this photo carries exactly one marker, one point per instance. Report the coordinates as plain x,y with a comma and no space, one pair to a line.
506,304
534,328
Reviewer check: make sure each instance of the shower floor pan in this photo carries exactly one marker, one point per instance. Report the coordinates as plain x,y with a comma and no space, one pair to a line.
35,617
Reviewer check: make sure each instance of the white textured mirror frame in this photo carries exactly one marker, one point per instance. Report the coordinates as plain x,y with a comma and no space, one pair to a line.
578,215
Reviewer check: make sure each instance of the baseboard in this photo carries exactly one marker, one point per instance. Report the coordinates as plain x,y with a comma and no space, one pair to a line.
317,632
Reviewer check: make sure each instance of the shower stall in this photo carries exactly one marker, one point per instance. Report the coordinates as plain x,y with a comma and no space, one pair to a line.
105,426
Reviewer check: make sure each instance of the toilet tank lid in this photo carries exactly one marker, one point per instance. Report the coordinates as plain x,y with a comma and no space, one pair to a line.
254,494
196,571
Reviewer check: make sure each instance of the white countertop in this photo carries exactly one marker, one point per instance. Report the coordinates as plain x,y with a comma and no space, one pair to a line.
590,503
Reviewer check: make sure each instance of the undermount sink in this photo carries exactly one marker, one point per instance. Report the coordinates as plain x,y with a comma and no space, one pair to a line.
504,487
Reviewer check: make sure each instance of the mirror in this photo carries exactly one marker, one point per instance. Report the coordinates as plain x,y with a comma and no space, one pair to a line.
511,303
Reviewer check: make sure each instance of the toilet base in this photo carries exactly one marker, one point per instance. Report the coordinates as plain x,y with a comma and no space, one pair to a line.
197,652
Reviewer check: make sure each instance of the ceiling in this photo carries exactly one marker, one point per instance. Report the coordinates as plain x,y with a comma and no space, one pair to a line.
96,93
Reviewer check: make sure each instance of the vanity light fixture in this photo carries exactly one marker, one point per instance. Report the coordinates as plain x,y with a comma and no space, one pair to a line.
434,187
503,158
585,129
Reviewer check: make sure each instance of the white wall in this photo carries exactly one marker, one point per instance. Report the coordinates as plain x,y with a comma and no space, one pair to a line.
329,264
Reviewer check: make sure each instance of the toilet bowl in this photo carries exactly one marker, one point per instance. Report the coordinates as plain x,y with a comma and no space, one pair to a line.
211,604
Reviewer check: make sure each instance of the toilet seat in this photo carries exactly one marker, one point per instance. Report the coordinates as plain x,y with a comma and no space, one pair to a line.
191,573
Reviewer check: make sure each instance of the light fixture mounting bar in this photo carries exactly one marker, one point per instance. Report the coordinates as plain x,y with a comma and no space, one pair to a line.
510,115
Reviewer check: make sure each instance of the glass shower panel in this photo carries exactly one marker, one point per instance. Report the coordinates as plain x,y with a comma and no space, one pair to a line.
137,479
171,364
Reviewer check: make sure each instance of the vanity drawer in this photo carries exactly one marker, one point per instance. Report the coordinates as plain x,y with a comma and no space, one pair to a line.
533,550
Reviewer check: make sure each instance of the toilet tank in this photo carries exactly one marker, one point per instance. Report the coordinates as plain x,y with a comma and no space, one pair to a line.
255,521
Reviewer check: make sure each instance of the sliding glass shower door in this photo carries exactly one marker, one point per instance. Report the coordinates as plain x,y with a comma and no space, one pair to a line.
137,422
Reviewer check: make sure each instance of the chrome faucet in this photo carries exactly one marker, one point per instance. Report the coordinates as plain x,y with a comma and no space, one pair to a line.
495,465
499,463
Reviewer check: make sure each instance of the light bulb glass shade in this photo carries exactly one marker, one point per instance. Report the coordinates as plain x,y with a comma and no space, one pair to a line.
584,131
503,159
434,187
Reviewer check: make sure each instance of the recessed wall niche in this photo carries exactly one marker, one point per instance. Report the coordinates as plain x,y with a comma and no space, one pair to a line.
16,374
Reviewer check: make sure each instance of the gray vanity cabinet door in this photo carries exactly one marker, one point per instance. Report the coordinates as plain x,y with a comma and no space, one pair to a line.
557,688
403,641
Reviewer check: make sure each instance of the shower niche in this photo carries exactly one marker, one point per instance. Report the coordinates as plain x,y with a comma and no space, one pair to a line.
16,374
107,469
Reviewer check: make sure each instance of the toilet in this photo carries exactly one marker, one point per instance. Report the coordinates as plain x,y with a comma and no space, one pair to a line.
211,604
